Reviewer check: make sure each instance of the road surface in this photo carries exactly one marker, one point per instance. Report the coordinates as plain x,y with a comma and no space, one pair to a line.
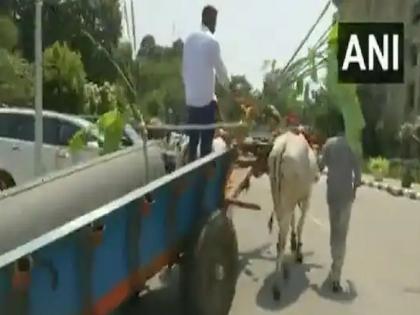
381,273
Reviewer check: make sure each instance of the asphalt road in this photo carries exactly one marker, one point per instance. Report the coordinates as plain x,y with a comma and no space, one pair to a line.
381,272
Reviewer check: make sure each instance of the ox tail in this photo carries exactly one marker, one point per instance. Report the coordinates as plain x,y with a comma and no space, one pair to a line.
275,161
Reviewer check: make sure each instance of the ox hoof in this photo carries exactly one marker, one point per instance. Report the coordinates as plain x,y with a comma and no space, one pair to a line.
276,293
299,258
286,272
336,287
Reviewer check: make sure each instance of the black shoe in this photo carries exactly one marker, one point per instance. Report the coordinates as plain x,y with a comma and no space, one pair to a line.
336,287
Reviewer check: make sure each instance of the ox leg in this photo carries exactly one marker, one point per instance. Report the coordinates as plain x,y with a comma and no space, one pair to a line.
293,243
304,206
281,268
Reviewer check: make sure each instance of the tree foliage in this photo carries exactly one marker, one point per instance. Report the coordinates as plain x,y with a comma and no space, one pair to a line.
109,128
16,86
8,33
345,97
159,80
99,99
88,70
68,21
64,79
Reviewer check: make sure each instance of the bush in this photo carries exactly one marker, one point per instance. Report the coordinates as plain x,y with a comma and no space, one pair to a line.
100,99
8,33
379,167
64,79
16,85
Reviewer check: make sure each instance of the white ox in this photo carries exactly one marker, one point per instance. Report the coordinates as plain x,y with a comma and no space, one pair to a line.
292,168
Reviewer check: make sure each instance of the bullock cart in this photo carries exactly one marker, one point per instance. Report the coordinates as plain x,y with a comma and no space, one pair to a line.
87,239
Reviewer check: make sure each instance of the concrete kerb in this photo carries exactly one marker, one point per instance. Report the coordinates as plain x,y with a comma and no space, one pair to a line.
393,190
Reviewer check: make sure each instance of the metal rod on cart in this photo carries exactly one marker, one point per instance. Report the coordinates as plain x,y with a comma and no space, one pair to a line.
38,90
145,136
227,125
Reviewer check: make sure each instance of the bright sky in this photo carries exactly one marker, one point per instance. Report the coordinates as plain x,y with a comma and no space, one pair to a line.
249,31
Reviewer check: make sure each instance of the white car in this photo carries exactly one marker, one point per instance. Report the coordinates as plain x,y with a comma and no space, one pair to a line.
17,143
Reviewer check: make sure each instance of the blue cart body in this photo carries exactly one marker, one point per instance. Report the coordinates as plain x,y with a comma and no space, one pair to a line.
94,263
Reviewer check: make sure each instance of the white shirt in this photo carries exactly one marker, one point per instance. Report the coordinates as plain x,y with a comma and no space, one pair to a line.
200,62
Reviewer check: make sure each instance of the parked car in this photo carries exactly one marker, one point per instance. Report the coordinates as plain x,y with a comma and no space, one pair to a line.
17,143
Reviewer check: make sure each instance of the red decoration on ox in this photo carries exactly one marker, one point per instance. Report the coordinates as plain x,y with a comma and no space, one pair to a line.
21,280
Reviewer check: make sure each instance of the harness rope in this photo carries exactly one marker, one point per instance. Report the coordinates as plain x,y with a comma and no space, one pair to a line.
183,127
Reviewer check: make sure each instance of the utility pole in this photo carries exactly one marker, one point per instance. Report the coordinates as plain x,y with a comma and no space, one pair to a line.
38,167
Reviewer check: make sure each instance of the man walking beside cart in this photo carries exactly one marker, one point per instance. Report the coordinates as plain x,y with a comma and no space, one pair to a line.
344,178
201,63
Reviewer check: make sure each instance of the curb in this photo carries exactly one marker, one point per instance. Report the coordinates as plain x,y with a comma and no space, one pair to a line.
392,190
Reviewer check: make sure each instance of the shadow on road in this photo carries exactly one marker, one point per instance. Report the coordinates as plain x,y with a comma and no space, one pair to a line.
260,253
297,284
246,259
412,290
163,299
347,296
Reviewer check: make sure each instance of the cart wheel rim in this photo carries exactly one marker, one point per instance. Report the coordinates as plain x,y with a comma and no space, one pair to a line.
216,287
219,272
3,185
216,267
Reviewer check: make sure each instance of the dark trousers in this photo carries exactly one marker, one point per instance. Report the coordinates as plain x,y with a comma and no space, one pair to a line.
201,115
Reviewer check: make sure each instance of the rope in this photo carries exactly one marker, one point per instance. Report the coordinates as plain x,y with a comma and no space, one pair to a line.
144,134
231,125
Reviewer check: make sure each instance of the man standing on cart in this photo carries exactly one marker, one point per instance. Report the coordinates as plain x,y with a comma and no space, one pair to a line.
201,61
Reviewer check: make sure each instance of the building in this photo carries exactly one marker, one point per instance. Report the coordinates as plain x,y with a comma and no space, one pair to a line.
396,102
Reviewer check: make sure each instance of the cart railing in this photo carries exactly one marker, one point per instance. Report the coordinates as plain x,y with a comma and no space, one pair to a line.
115,242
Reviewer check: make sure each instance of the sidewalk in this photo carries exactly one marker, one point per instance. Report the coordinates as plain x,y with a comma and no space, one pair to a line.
393,186
392,181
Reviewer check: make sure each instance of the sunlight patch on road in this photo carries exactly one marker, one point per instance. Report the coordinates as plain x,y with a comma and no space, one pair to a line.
319,223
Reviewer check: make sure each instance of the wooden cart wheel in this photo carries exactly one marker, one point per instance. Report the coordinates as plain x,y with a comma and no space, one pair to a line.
210,268
6,181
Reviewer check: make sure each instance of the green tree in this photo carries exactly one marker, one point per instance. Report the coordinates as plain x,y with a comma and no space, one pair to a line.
64,79
70,21
230,104
345,97
16,86
158,80
8,33
102,99
288,88
147,47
